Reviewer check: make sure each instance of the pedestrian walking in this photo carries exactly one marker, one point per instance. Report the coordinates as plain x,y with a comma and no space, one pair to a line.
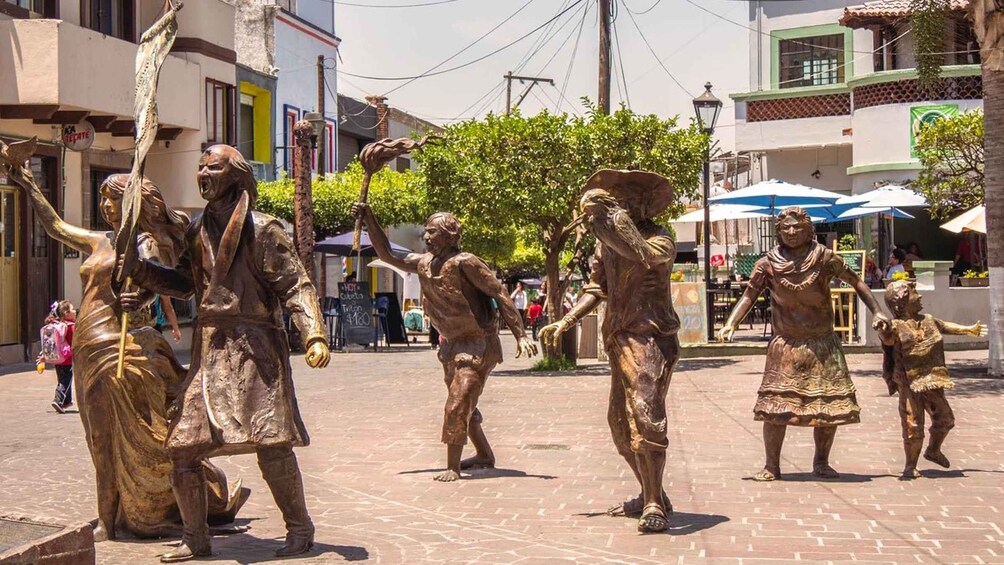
519,300
533,315
57,349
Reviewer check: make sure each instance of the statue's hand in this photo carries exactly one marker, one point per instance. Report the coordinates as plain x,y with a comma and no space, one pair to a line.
130,301
525,347
318,355
881,323
725,334
359,210
978,329
550,333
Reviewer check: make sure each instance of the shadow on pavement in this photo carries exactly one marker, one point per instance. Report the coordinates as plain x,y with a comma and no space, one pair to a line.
483,474
844,478
701,364
347,552
591,370
680,523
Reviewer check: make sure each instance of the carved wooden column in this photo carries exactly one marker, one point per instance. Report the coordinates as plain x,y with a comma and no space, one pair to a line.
303,205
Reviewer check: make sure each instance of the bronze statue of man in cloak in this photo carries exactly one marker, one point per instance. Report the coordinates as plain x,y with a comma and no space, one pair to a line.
238,397
458,289
805,378
630,271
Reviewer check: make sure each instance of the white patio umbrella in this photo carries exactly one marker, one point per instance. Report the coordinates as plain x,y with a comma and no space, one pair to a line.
889,196
973,220
719,212
775,194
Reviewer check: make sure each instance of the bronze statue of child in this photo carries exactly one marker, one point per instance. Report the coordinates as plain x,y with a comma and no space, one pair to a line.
915,367
457,292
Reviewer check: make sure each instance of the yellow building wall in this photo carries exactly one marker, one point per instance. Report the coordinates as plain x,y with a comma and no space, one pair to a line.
262,121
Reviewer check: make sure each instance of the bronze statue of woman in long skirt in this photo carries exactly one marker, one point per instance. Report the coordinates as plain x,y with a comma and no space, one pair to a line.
124,419
805,379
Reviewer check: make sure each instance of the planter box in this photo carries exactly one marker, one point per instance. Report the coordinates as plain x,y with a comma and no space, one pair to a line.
974,282
27,542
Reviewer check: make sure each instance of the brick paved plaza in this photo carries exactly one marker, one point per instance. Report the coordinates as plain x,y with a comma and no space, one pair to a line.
374,421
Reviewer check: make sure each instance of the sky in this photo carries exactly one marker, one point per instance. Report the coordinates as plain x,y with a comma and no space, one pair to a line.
694,45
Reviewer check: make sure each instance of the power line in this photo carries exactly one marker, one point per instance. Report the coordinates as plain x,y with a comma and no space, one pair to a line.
651,50
643,12
358,5
620,61
469,63
563,43
538,43
472,44
571,60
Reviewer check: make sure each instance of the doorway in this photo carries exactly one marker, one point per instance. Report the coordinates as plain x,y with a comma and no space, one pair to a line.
10,292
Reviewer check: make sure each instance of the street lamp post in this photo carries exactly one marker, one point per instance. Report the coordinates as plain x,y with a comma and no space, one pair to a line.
707,108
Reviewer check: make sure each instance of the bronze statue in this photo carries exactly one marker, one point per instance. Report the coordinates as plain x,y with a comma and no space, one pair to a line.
915,367
457,291
805,379
124,419
630,270
238,397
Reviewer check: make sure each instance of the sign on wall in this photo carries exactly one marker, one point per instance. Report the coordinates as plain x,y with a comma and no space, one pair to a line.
78,137
921,116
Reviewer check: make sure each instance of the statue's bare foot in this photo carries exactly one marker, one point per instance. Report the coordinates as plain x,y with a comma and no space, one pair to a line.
101,533
909,473
633,507
824,471
653,519
937,457
767,475
478,462
447,476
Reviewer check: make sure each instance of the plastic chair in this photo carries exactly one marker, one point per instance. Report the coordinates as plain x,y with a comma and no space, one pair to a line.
331,308
382,303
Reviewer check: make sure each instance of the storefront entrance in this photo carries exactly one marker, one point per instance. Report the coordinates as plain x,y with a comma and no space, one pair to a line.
10,245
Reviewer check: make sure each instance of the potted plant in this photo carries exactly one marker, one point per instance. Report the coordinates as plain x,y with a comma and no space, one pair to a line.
900,276
975,278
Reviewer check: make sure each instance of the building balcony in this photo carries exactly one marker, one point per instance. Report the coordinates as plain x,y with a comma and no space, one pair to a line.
957,82
56,72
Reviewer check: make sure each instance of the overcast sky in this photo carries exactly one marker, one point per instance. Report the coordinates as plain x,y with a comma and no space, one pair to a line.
694,45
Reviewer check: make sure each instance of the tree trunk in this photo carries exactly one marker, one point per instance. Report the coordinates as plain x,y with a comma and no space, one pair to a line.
993,144
303,207
555,292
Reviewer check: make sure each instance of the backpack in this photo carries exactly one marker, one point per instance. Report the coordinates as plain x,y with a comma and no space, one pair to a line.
55,350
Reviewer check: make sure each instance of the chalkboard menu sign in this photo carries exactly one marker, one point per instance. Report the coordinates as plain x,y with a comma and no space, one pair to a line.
357,313
855,259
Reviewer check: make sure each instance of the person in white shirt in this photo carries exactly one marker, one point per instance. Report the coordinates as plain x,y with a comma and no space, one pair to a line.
518,297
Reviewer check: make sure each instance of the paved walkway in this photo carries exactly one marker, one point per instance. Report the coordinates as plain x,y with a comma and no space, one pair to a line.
374,421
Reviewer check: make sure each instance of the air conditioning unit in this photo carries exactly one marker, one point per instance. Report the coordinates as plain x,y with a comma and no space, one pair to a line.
260,170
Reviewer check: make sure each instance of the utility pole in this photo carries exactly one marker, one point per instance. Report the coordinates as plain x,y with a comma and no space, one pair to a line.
509,77
603,98
321,135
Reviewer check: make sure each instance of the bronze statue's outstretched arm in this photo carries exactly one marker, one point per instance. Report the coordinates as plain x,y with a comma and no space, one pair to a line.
68,234
739,312
478,273
865,293
380,242
951,328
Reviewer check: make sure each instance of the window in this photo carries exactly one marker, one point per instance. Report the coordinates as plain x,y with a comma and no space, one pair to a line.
290,115
110,17
30,8
219,112
811,61
245,141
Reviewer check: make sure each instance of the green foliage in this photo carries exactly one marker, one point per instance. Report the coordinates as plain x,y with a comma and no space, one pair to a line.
396,198
552,364
929,21
848,242
518,178
951,153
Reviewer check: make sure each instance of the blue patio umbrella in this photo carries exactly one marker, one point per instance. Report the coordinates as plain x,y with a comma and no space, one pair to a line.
838,213
341,245
775,194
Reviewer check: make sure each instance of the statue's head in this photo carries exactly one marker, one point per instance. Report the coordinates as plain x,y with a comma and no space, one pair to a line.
442,233
223,171
643,194
166,225
902,299
794,228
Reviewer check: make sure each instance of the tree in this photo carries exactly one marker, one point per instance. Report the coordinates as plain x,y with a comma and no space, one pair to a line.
951,152
988,23
521,176
396,198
